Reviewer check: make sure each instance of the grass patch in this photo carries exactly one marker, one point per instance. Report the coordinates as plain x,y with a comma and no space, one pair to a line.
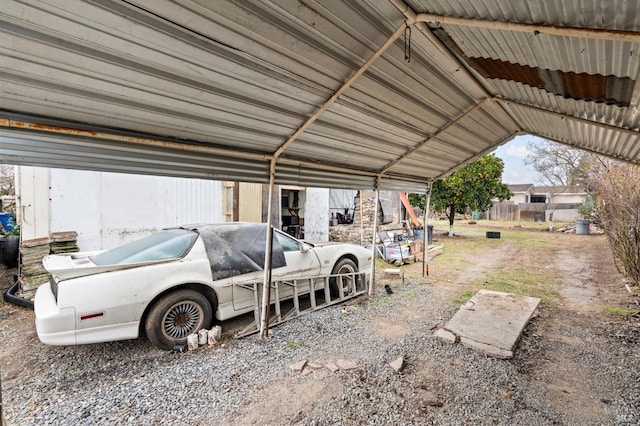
534,244
410,295
292,344
618,311
463,298
525,283
380,302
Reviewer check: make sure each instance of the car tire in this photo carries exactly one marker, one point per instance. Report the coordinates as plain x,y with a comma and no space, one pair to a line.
11,251
175,316
343,266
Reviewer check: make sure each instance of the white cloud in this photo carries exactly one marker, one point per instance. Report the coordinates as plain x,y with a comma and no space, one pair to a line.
516,151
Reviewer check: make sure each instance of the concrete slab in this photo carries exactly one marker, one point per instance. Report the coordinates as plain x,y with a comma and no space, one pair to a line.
446,336
492,322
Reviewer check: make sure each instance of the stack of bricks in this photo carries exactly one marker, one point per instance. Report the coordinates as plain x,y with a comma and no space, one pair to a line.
64,242
32,272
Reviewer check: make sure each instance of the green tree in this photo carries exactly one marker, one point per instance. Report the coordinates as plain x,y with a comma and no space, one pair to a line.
474,187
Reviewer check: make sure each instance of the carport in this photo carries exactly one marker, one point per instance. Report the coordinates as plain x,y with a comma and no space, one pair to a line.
382,95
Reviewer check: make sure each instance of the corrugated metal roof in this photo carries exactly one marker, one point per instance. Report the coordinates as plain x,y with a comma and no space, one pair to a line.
568,54
608,114
216,89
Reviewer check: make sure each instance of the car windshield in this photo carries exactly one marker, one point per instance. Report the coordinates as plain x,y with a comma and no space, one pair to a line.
170,244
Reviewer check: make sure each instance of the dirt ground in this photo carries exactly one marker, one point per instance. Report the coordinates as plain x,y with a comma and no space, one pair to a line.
573,274
580,287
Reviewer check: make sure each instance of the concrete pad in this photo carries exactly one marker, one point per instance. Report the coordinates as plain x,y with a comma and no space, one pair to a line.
492,322
446,336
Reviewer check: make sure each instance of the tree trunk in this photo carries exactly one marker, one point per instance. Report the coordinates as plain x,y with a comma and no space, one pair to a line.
451,215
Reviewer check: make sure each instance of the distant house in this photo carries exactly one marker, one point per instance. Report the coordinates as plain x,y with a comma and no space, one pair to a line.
521,193
559,194
539,203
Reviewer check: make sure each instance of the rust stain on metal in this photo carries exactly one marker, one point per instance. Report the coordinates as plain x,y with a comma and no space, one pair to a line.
129,139
610,90
58,129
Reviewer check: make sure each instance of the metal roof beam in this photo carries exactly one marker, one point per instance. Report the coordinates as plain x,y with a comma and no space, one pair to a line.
397,33
426,31
536,29
92,134
435,135
412,16
475,157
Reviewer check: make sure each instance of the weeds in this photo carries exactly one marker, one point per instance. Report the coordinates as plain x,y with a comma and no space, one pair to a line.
619,311
462,298
525,283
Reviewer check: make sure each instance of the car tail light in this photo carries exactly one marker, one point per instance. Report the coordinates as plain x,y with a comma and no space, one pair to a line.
54,287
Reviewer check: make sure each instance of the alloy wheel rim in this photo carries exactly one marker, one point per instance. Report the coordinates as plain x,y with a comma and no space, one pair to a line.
182,319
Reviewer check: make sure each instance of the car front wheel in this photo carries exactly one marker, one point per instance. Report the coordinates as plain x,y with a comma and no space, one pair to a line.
177,315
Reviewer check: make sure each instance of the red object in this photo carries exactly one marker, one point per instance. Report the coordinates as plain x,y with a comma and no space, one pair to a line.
407,205
84,317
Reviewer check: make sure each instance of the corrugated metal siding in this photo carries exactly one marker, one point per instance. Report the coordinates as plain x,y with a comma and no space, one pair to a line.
245,75
198,201
76,152
606,140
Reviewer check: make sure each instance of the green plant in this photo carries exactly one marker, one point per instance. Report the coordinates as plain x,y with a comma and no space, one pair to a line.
463,298
292,344
585,209
379,302
617,310
473,187
527,283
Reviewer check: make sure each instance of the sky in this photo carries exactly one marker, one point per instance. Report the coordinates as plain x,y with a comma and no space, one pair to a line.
513,154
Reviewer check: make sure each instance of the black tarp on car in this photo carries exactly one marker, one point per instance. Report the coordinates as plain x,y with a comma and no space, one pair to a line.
238,248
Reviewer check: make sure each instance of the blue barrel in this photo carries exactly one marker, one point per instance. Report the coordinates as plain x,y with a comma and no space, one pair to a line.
7,223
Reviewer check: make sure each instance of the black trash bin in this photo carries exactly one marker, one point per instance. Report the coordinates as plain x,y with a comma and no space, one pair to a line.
418,233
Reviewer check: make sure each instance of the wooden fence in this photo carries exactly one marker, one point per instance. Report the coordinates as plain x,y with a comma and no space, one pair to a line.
533,212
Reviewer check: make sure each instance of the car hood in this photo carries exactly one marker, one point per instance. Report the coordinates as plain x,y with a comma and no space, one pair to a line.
74,265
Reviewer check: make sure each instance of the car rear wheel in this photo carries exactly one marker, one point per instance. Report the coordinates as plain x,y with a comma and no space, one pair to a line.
177,315
348,283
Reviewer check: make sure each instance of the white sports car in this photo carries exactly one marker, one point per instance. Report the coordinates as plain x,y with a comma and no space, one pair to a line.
171,284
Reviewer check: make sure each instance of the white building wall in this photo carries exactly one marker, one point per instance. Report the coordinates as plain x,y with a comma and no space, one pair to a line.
568,198
316,217
108,209
519,198
32,201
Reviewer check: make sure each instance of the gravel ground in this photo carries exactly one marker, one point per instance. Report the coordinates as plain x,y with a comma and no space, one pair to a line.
570,368
235,383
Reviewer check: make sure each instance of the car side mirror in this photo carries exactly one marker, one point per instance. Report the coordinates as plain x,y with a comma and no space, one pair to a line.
303,247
